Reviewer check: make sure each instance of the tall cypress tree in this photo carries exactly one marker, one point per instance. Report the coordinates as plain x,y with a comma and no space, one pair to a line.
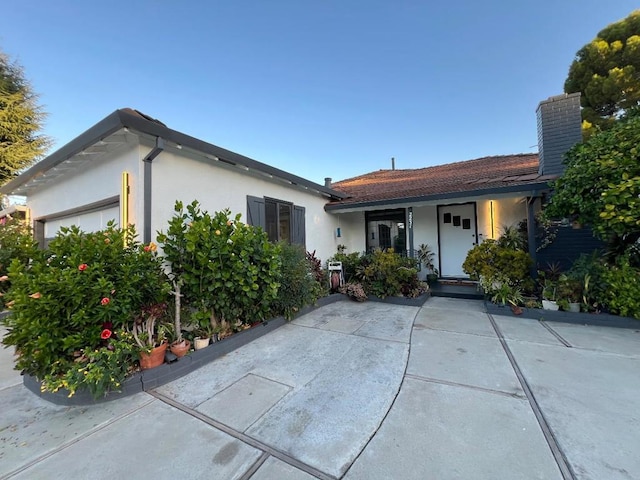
21,120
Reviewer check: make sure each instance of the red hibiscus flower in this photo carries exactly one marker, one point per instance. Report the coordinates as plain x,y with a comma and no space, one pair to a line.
82,267
105,301
106,334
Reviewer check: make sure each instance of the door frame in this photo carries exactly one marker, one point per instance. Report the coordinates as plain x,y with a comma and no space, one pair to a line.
475,226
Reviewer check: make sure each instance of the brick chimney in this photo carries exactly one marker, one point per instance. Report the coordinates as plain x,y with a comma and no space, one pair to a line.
559,129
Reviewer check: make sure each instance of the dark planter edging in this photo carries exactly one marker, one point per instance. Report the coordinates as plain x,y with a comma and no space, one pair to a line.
167,372
403,301
599,319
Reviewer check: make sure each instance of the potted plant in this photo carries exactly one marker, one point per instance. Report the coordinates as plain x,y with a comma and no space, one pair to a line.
550,296
150,335
179,346
569,293
426,257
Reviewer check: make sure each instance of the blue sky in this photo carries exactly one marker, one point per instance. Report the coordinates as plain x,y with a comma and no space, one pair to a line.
330,88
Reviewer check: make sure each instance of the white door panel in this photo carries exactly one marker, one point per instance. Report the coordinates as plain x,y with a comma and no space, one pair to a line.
457,234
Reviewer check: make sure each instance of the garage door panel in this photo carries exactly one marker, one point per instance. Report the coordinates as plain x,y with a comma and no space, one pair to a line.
88,222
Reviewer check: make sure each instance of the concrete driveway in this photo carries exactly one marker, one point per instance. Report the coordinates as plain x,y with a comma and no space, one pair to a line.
359,391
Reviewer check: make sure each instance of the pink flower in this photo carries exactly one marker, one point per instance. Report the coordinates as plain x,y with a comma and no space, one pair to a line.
82,267
106,334
35,295
152,247
4,278
105,301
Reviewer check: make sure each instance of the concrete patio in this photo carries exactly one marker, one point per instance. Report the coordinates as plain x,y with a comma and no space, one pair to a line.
359,391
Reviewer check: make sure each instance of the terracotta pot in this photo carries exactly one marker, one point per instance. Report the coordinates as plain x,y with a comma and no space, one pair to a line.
180,349
199,343
153,359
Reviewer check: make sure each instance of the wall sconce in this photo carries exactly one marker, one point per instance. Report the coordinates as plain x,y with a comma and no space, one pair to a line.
338,232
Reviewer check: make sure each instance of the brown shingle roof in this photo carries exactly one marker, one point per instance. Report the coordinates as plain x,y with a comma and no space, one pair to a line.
460,177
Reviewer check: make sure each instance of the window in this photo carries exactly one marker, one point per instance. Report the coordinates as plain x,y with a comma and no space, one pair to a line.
278,220
283,221
386,229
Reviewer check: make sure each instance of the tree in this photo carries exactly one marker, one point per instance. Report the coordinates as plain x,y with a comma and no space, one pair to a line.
20,121
606,72
601,184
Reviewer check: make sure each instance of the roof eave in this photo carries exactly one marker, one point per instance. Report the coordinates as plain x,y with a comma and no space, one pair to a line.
99,131
530,188
126,118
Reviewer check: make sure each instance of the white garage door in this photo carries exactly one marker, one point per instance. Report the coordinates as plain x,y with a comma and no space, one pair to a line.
88,222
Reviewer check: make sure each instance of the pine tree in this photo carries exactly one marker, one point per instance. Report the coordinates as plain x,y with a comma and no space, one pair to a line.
21,119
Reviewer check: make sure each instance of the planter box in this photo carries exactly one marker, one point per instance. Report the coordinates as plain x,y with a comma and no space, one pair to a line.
407,302
596,319
167,372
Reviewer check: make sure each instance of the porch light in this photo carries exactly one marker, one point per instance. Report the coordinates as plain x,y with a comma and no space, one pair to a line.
124,201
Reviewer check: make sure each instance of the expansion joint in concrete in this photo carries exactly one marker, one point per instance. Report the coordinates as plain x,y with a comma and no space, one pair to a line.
558,454
464,385
395,398
257,444
555,334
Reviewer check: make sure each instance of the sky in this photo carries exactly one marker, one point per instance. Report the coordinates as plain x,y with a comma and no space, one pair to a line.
330,88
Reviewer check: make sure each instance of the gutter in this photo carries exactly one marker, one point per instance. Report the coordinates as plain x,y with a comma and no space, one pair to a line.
147,160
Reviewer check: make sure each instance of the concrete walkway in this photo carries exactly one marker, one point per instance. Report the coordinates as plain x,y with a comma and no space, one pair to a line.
359,391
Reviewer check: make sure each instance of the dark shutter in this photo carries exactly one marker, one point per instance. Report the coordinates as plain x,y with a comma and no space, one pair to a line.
255,212
298,226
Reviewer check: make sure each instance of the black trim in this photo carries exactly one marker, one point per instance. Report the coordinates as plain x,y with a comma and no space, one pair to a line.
130,119
530,189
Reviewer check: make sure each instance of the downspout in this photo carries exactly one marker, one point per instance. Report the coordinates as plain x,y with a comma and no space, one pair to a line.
531,235
146,234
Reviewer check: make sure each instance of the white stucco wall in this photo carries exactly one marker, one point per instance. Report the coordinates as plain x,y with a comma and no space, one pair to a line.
352,229
507,212
93,182
178,175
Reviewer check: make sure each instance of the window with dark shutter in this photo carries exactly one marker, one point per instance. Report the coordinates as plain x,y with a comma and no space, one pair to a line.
256,212
282,220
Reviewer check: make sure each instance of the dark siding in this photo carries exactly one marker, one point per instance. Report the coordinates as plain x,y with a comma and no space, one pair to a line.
567,247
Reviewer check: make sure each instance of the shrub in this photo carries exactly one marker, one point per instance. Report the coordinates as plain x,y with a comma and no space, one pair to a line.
98,370
350,262
355,291
384,274
493,265
16,243
225,267
590,271
76,293
622,295
298,285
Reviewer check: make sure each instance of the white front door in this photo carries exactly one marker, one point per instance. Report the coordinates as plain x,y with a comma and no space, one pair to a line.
458,234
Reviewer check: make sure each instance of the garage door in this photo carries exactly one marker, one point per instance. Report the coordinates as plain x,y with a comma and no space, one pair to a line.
90,221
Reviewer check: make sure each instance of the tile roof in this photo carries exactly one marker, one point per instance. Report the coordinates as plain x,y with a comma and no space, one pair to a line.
453,178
